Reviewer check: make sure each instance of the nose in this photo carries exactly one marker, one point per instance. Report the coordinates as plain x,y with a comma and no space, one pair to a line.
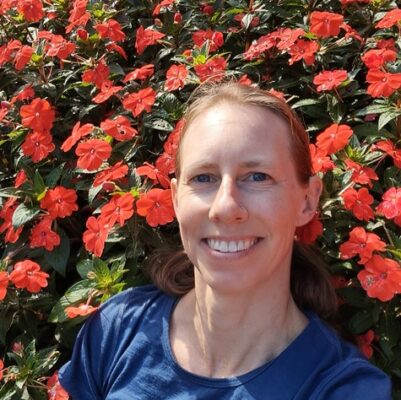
226,206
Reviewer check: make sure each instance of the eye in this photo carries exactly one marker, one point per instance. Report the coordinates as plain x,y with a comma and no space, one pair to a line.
258,177
202,178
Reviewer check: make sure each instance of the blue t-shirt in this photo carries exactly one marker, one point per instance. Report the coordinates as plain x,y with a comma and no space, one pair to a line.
123,353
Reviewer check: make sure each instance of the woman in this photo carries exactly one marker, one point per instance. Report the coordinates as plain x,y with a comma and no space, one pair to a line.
245,324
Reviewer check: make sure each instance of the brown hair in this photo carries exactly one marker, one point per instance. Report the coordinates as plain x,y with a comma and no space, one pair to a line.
173,272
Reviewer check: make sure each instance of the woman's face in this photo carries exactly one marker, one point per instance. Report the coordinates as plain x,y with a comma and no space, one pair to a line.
238,200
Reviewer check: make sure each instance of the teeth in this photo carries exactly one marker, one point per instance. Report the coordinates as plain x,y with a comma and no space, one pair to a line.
231,246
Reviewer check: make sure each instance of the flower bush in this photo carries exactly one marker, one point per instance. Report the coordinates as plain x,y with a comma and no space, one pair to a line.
92,94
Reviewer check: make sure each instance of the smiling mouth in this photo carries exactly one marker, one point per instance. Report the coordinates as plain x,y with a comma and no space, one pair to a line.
231,246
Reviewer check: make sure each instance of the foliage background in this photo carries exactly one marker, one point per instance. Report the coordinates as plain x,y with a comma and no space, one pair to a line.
79,65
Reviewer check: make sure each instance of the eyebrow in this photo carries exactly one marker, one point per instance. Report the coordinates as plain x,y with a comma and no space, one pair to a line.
245,164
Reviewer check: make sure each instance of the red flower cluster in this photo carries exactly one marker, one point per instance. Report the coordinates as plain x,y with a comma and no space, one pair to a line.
28,275
119,209
111,174
60,202
140,101
119,128
389,147
157,206
358,202
38,145
43,236
141,73
80,311
156,175
145,38
390,207
325,24
92,153
97,75
307,234
39,115
334,138
381,278
95,236
6,214
214,39
361,243
382,83
212,71
321,162
77,133
54,389
110,29
361,174
365,341
4,280
176,76
329,80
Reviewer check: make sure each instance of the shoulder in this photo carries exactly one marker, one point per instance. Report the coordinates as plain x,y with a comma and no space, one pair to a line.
348,374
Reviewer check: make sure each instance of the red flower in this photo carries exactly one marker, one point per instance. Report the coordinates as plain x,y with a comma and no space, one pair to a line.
82,310
351,32
358,202
1,369
98,75
28,275
388,44
38,145
54,389
212,70
156,206
215,39
303,50
77,133
287,37
365,343
92,153
263,44
320,161
38,115
110,29
376,58
117,171
391,18
140,101
153,173
142,73
119,128
361,243
166,162
6,214
78,15
60,202
25,94
43,236
145,38
361,174
115,47
244,80
31,9
106,91
325,24
381,278
95,236
3,287
390,207
334,138
382,83
329,80
307,234
176,76
23,57
59,47
388,147
162,4
118,209
20,178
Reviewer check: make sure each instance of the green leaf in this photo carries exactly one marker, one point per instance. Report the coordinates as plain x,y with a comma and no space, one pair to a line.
305,102
76,294
23,214
84,267
6,318
58,258
373,109
54,175
354,296
386,117
38,183
362,321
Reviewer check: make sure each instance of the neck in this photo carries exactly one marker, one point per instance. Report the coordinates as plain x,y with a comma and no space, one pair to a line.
234,333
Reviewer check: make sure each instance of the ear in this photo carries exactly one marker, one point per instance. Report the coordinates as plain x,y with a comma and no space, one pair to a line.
311,200
173,185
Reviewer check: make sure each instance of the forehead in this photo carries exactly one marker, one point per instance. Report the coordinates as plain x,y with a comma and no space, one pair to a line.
236,131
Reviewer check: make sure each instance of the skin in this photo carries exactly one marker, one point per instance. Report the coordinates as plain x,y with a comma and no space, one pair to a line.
238,184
